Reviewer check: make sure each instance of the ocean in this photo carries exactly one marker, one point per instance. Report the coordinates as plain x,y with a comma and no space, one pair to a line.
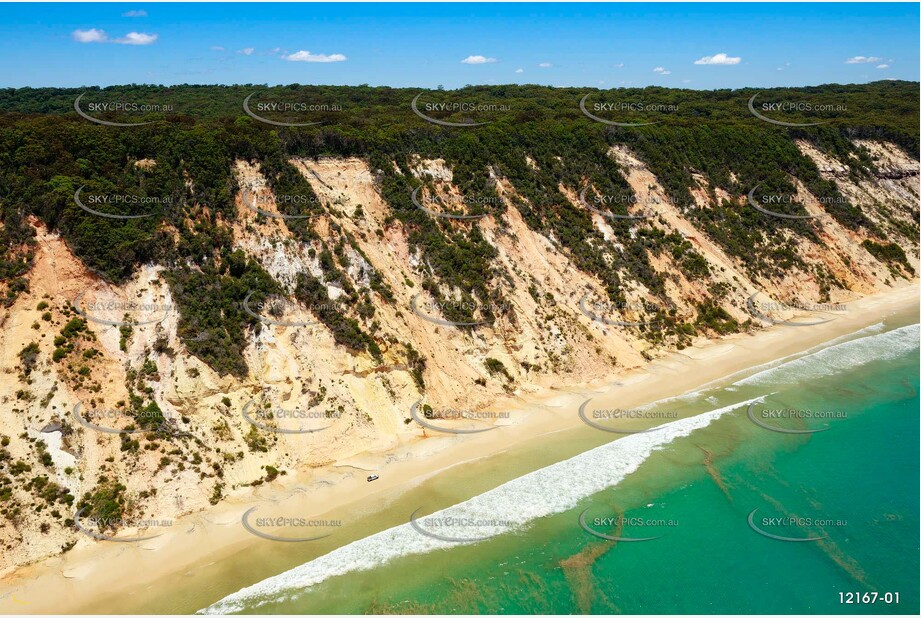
791,489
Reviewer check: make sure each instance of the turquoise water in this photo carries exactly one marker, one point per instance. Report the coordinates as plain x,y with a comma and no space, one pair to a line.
695,492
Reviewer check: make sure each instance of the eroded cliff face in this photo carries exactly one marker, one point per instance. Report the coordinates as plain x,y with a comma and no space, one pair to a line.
78,355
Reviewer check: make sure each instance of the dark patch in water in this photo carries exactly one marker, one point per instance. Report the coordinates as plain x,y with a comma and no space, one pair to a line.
828,547
465,598
715,473
577,569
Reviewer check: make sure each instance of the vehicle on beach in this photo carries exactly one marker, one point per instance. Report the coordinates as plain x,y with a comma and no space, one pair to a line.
373,477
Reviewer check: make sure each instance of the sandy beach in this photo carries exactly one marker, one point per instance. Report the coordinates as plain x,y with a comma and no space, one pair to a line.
90,576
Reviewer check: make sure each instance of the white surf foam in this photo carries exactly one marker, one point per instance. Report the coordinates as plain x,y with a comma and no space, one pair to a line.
837,358
559,487
729,379
550,490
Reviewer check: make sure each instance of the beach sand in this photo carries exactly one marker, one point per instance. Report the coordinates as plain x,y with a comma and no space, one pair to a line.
106,577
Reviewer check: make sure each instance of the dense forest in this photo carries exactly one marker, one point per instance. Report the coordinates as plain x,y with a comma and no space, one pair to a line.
536,137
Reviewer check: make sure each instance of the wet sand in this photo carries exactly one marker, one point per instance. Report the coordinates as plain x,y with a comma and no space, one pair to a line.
212,553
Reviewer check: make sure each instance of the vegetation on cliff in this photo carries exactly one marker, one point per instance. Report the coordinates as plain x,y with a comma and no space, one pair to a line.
538,139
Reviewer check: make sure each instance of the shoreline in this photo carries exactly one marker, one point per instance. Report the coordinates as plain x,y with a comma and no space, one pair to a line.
85,577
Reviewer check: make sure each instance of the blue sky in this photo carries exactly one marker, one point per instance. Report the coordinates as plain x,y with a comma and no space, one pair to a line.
677,45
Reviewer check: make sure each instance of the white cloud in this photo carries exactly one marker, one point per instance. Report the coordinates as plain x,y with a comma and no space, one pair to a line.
140,13
136,38
882,66
545,65
247,51
685,81
94,35
89,36
306,56
477,60
862,60
661,71
619,65
519,70
722,59
217,48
